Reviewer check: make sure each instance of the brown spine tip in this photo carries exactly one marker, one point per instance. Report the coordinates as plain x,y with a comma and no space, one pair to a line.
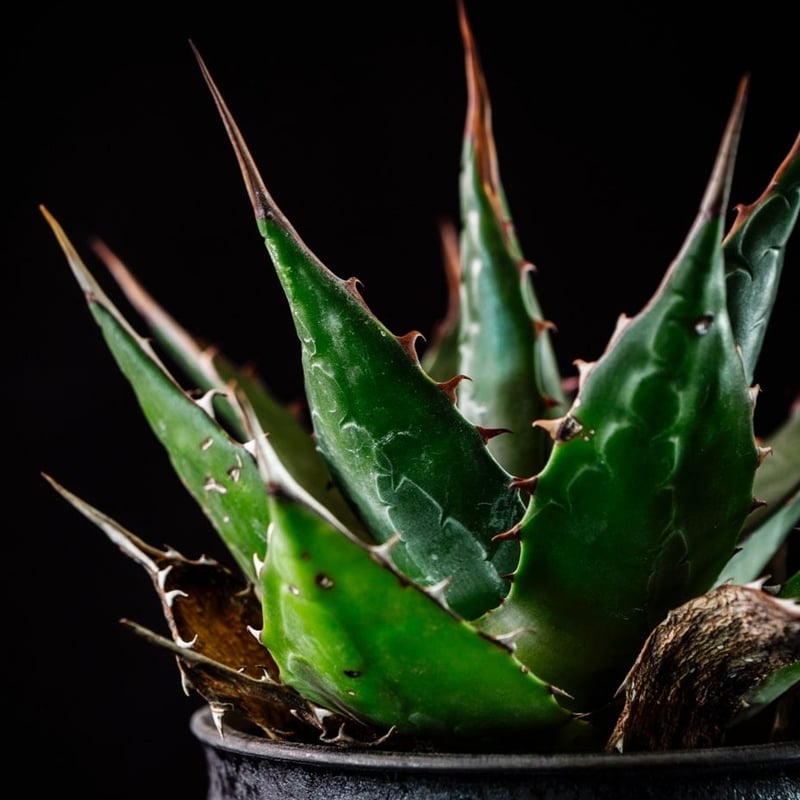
409,343
540,326
512,534
449,387
353,287
478,125
715,199
487,434
525,484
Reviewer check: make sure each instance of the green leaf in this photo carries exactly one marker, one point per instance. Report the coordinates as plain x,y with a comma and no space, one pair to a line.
504,338
351,632
650,479
395,442
754,254
219,473
354,635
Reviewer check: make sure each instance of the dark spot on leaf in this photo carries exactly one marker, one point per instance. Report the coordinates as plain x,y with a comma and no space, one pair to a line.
324,581
568,429
702,325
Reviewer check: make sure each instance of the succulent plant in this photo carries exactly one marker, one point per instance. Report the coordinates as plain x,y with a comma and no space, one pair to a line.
464,547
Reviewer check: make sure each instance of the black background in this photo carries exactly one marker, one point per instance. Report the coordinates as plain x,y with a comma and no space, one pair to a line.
607,122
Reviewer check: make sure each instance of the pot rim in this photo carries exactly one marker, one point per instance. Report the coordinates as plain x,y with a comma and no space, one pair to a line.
773,755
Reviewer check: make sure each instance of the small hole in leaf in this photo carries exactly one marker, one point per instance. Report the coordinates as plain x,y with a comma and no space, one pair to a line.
702,324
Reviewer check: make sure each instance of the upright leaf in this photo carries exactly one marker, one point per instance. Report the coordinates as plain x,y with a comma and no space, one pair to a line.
755,249
393,438
650,478
504,340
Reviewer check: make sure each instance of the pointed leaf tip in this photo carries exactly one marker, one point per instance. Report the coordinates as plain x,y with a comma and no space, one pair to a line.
715,199
263,205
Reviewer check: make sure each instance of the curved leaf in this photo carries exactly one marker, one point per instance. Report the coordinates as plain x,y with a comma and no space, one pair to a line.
504,340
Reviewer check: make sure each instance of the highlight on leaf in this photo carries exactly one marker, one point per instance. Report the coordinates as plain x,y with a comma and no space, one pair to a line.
467,549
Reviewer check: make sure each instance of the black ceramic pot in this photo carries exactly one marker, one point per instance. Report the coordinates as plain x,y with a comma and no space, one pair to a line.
245,767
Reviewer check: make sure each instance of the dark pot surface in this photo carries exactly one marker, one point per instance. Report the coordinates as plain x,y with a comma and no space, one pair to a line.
246,767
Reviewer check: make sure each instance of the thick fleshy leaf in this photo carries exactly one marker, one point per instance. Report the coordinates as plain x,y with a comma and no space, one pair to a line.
351,632
354,635
642,500
212,371
219,472
395,442
754,254
504,340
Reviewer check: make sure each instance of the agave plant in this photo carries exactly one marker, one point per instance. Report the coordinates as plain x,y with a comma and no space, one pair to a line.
466,547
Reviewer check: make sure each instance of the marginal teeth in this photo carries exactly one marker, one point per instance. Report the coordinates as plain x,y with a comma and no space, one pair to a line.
383,552
437,591
763,452
217,713
169,597
509,640
206,402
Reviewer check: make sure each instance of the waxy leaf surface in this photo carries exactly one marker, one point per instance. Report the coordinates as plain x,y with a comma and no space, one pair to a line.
650,479
393,439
